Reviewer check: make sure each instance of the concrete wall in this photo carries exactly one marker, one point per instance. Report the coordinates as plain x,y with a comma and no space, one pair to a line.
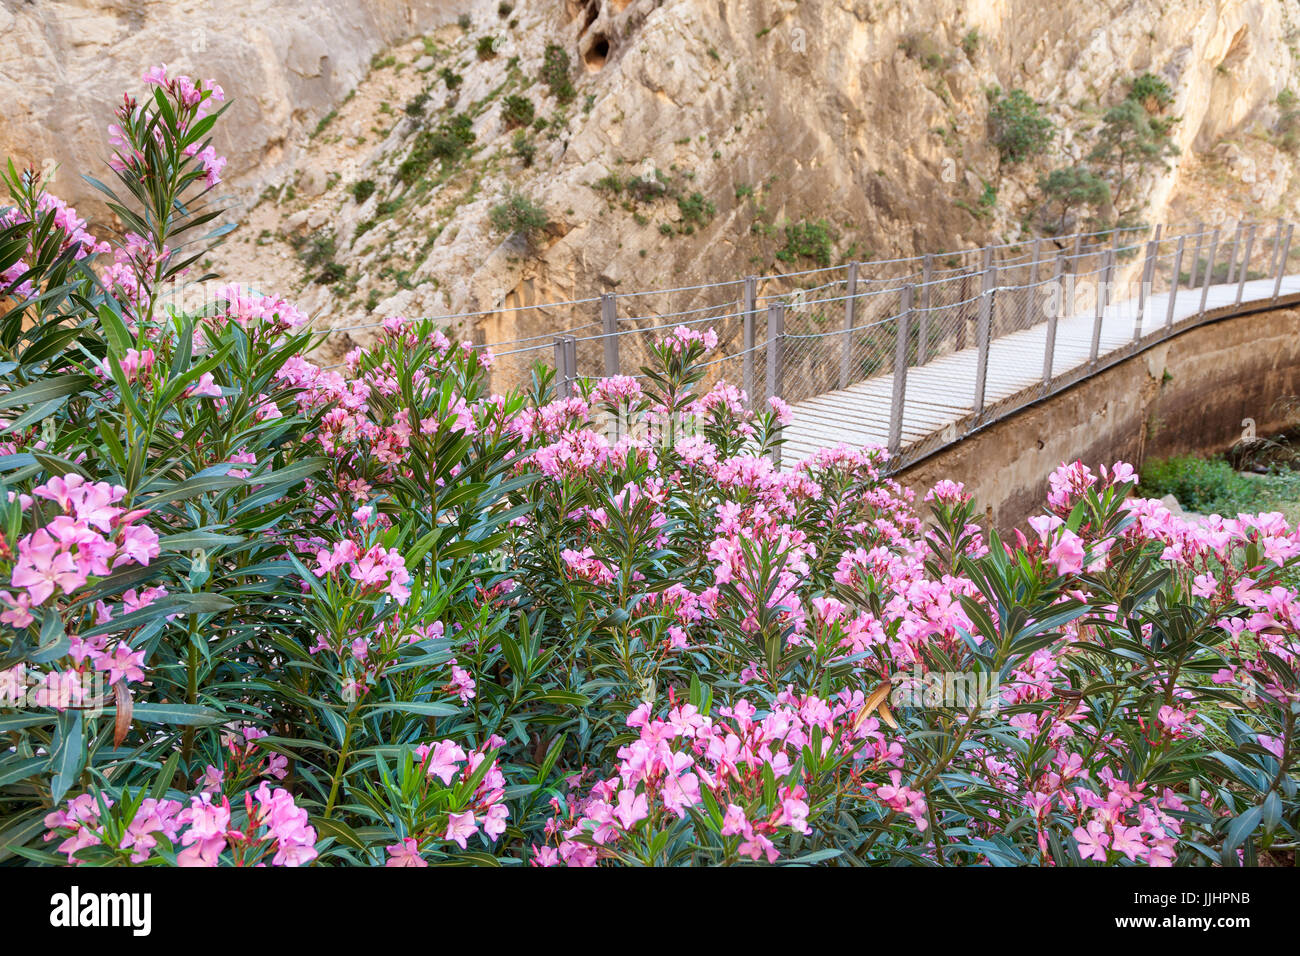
1188,395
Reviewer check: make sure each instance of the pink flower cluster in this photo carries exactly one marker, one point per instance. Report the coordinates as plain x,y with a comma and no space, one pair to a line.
275,826
448,762
662,774
1125,822
73,234
192,100
252,309
91,537
373,569
677,339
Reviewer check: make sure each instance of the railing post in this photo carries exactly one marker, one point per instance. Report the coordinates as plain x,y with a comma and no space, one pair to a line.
565,363
1281,262
994,306
923,320
1031,292
609,326
1069,283
1275,246
983,331
1232,261
1196,255
1245,262
1209,269
1049,345
850,308
1148,269
963,311
1173,286
775,359
1103,299
747,361
561,382
775,347
899,397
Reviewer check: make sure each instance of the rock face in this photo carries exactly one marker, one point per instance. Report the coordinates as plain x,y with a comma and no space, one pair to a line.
64,67
697,133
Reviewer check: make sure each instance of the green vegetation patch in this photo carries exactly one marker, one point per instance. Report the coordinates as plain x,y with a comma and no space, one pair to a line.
555,73
1212,486
448,143
519,214
1017,126
517,111
808,240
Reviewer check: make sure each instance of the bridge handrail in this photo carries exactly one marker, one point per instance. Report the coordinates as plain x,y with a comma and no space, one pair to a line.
866,322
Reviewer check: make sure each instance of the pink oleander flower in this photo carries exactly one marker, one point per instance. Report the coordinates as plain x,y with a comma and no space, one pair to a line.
1067,553
680,336
948,492
406,853
443,760
212,165
205,387
460,827
784,416
1092,841
462,682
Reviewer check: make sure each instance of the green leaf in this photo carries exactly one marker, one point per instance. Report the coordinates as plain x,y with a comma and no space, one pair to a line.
22,769
565,697
20,721
200,484
200,602
20,832
197,541
423,708
182,715
339,831
1241,828
818,856
46,390
67,753
119,339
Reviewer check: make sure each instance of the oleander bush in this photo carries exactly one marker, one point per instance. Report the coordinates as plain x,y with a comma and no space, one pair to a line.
255,611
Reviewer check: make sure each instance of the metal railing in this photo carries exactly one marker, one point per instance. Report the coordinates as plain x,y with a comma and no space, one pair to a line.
800,335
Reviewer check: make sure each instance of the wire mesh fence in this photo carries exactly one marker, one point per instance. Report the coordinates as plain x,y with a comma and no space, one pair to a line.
1041,311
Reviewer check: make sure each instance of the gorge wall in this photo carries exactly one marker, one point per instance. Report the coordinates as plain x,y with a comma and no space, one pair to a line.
867,116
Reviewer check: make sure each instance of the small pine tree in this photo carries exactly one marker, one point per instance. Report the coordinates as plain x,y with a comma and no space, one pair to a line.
1152,92
1018,127
1131,145
1072,189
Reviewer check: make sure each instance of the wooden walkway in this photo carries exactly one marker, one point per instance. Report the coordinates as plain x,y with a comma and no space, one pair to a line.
939,405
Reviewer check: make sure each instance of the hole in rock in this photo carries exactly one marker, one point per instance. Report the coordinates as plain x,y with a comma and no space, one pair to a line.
597,53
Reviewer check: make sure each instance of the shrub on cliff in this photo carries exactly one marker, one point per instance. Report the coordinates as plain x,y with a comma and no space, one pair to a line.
519,215
517,111
555,73
1017,126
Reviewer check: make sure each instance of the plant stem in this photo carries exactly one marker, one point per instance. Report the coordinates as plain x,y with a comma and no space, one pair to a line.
343,759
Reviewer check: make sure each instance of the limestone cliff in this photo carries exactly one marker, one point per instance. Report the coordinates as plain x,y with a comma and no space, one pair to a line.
694,135
64,65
